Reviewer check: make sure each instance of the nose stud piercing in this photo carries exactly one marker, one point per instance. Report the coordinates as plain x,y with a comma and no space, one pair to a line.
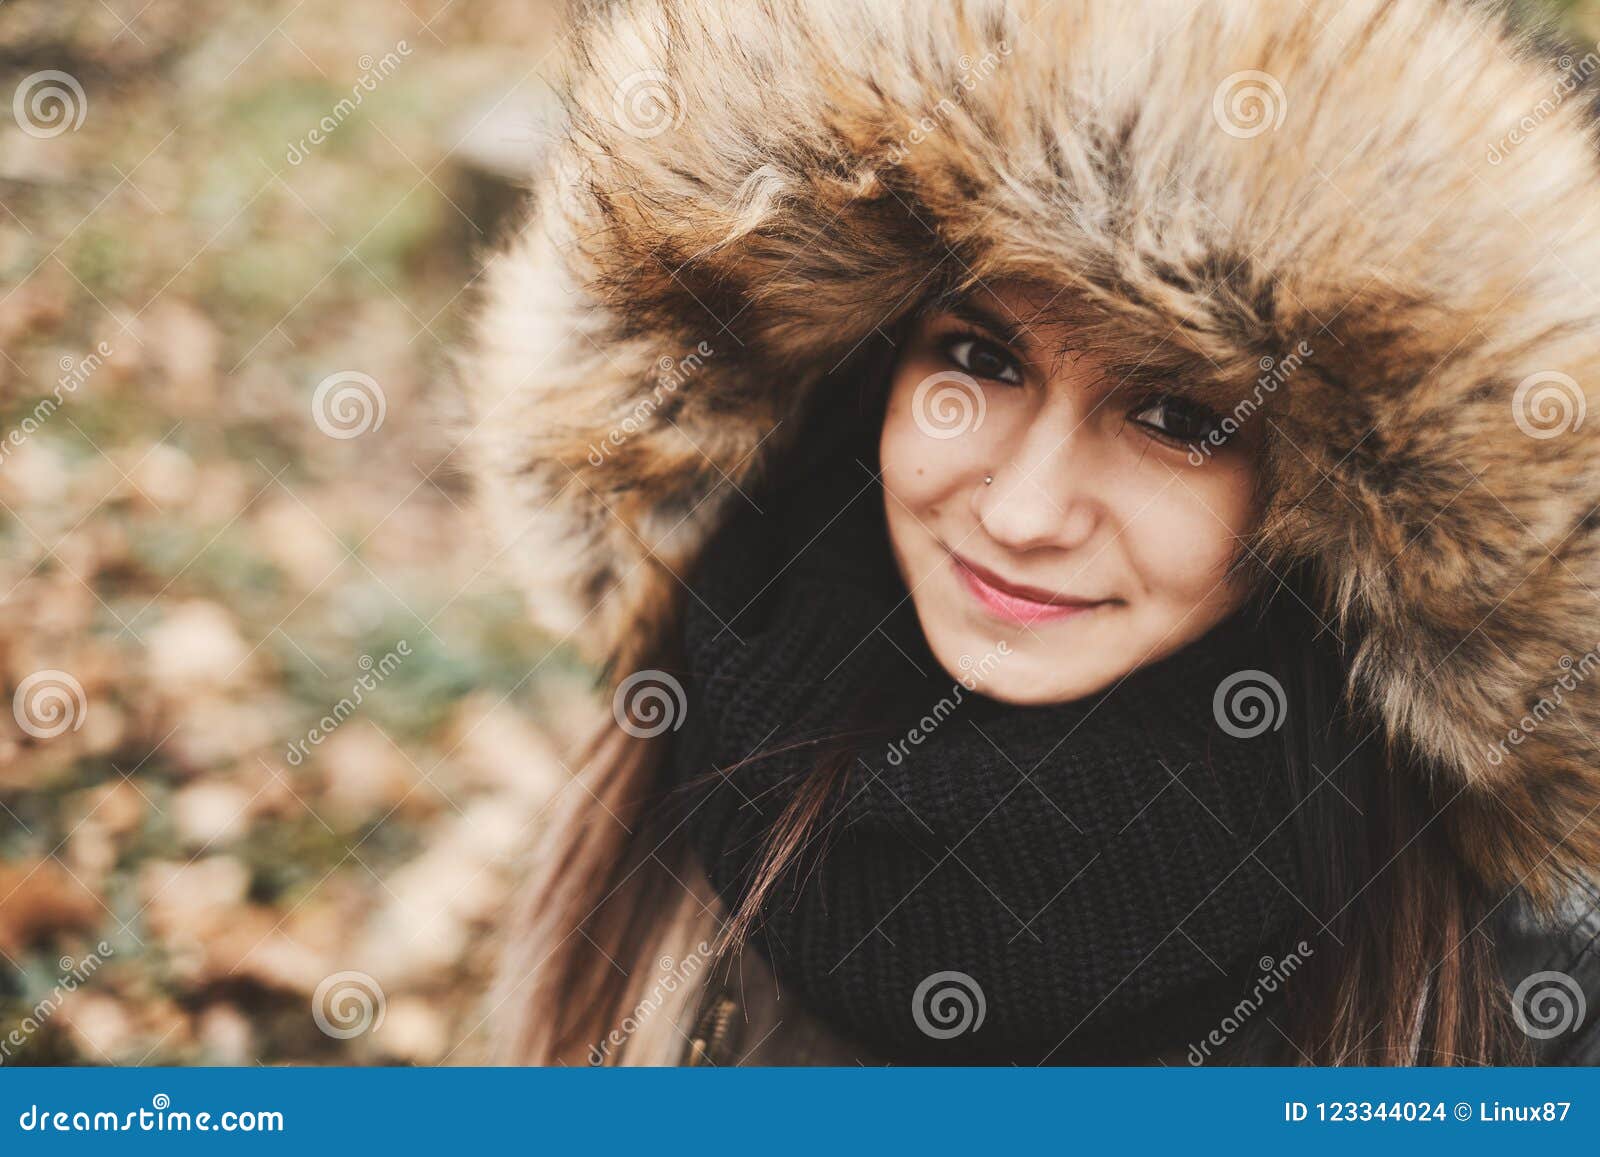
988,479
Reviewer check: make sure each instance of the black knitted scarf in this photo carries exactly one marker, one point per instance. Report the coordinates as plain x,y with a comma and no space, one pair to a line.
1094,881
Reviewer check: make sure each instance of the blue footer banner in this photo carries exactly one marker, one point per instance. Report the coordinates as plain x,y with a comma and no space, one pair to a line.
790,1110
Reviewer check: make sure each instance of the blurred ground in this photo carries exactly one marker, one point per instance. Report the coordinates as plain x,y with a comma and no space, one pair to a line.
196,573
280,731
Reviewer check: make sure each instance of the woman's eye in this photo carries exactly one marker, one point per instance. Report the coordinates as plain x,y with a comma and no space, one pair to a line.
984,359
1177,419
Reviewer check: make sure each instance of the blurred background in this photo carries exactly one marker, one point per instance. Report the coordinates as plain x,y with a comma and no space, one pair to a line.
278,733
275,717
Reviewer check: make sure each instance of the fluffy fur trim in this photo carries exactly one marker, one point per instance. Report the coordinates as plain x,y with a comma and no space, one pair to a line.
740,195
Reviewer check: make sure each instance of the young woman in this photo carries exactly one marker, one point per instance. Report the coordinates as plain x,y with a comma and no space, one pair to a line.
1085,511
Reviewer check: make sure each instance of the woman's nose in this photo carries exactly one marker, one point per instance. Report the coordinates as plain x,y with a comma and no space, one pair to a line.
1043,491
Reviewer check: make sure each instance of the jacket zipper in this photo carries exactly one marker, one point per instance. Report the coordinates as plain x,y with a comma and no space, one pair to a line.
713,1033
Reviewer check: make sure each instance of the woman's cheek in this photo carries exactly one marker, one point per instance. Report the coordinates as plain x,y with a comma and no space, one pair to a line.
897,449
924,462
1185,539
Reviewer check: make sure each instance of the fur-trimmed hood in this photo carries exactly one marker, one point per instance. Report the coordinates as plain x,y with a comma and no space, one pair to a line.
738,195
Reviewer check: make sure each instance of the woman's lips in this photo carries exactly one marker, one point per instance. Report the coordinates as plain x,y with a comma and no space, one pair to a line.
1018,605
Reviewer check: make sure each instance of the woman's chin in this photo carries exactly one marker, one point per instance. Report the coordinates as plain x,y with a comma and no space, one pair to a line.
1019,682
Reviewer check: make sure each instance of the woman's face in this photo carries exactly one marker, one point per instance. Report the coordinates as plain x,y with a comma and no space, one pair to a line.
1099,546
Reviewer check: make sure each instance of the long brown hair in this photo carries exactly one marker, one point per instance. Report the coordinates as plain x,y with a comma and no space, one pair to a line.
1404,972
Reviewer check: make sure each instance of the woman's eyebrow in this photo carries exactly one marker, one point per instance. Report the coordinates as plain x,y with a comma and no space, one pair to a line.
973,313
